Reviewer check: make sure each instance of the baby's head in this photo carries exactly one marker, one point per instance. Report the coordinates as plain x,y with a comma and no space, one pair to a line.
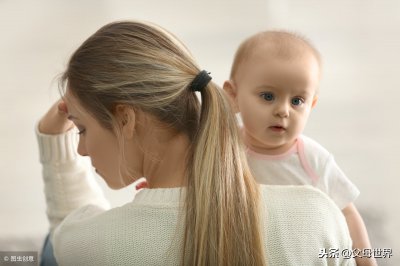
274,84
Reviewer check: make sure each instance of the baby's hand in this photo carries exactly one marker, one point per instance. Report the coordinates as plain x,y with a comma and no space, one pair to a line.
56,121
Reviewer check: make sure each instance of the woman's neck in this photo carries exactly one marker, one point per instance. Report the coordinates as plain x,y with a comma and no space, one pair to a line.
165,162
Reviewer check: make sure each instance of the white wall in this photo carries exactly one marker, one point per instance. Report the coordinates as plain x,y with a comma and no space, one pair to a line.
356,117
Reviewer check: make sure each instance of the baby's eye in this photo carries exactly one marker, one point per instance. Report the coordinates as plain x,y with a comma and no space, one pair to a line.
297,101
268,96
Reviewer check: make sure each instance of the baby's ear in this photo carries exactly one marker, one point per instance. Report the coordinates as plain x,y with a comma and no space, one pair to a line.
314,102
231,91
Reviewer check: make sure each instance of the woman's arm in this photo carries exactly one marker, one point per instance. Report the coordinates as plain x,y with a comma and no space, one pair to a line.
68,180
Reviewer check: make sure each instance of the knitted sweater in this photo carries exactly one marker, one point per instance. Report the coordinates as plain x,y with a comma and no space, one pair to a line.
299,222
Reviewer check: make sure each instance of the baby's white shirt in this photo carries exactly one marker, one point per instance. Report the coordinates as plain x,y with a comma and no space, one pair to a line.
306,163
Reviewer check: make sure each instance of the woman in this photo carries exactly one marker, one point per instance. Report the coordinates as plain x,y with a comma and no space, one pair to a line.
130,91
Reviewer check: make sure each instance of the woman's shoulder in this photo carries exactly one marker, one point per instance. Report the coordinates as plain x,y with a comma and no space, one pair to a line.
271,192
128,229
147,203
303,214
302,202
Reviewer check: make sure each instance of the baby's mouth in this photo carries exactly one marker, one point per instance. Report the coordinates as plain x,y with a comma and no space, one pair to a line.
277,128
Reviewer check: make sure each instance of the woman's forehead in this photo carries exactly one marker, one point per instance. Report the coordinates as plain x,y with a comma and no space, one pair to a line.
72,103
68,95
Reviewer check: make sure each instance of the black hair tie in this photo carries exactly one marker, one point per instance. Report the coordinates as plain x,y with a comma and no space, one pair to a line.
200,81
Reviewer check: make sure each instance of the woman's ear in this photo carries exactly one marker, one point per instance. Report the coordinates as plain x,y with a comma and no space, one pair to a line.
231,91
126,118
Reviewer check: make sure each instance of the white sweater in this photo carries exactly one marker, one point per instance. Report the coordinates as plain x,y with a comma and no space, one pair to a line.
299,221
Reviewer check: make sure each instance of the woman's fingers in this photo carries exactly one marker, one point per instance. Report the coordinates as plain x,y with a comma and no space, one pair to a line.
62,107
56,121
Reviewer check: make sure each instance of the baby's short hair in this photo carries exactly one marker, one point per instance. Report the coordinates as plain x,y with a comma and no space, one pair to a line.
284,44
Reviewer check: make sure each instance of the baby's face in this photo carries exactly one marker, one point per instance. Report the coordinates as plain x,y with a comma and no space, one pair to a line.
275,97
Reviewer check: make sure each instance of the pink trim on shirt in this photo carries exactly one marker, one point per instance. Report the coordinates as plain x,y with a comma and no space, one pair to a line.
304,162
261,156
297,147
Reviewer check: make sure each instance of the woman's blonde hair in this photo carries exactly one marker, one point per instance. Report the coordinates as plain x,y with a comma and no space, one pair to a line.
146,67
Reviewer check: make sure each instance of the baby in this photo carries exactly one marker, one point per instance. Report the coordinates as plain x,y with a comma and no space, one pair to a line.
274,85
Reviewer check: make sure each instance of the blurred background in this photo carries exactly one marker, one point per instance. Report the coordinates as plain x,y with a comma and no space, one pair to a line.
356,116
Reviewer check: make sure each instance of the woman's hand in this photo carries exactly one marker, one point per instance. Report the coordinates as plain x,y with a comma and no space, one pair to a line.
56,121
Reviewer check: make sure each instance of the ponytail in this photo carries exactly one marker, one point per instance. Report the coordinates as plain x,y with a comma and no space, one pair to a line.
223,225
